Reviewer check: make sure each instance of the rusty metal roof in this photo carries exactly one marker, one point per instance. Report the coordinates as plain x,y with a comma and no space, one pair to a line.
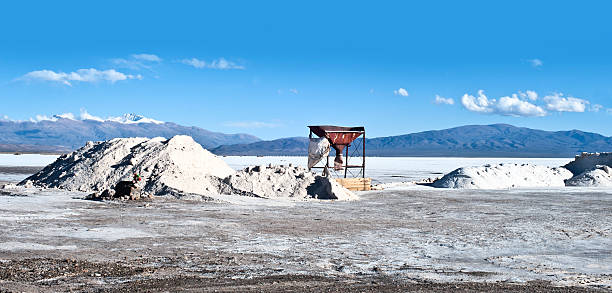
339,135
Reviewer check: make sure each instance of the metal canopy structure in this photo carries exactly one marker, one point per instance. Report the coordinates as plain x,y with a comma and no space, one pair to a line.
340,139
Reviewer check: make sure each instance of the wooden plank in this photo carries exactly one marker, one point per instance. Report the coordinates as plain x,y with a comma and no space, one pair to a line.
356,184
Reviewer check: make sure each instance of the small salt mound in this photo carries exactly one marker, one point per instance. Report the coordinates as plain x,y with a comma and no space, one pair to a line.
600,176
589,161
503,176
175,166
284,182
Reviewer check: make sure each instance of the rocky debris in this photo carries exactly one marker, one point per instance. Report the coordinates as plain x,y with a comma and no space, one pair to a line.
125,190
40,269
600,176
278,181
504,176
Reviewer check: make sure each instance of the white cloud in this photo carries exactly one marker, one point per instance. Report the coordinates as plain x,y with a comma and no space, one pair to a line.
220,63
43,118
5,118
442,100
86,116
531,95
252,124
197,63
536,62
147,57
53,118
513,106
81,75
401,91
47,75
137,61
556,102
480,104
508,106
294,91
596,108
66,116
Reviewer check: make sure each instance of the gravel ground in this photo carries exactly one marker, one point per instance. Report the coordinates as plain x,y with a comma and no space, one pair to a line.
48,274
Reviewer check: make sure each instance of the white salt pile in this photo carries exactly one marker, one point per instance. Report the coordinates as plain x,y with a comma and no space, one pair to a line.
590,170
278,181
177,166
504,176
587,170
599,176
588,161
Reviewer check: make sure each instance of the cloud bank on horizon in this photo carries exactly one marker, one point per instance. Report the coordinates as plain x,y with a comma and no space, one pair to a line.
523,104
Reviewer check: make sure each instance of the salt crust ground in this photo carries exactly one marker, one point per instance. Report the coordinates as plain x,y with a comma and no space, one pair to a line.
178,166
587,170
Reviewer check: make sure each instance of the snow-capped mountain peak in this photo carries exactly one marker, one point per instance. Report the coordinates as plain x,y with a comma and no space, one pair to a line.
64,116
132,118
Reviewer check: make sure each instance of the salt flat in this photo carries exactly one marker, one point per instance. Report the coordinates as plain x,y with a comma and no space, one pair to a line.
381,169
387,169
407,234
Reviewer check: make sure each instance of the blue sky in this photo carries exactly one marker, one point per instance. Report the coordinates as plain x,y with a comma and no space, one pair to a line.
271,68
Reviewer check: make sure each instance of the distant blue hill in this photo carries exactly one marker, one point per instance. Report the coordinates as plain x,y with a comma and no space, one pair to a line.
63,134
497,140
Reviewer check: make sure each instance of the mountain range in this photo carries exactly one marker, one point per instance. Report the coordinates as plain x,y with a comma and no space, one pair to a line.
63,133
497,140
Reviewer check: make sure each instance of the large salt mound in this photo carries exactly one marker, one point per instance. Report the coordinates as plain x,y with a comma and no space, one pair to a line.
284,181
504,176
175,166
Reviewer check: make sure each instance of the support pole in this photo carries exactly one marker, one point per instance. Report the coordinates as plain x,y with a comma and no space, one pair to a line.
346,160
363,165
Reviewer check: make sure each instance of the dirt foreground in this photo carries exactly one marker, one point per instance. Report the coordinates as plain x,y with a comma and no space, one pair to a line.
403,240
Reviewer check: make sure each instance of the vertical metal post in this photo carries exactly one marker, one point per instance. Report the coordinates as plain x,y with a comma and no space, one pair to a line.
363,165
346,160
309,136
